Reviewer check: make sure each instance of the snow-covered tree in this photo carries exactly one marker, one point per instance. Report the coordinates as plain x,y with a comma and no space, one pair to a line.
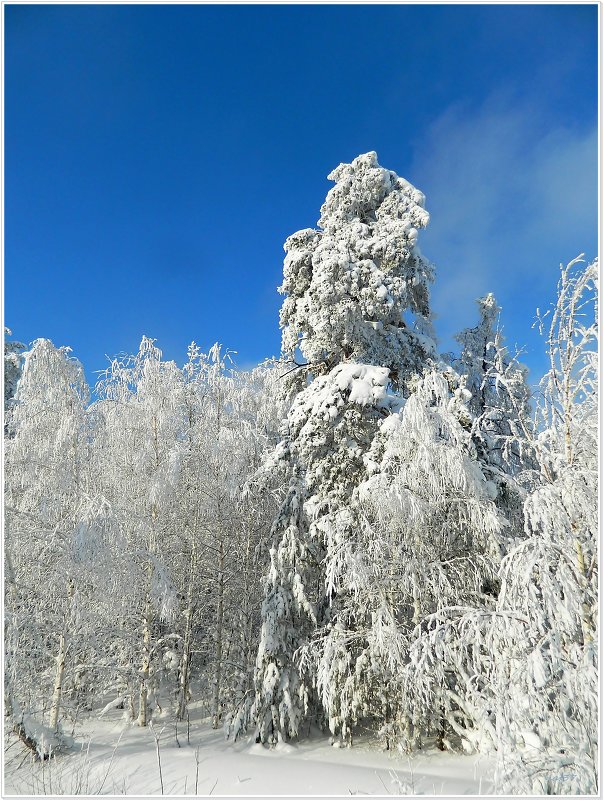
500,404
357,289
429,539
548,719
357,308
259,407
13,365
331,425
500,396
175,451
532,660
137,462
54,537
223,520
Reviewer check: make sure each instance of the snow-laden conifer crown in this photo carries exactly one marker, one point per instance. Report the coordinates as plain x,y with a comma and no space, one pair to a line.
357,289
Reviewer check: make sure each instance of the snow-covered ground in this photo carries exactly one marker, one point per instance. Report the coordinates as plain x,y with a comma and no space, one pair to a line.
113,757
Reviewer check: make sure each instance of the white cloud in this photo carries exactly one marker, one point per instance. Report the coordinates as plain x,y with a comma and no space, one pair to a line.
509,200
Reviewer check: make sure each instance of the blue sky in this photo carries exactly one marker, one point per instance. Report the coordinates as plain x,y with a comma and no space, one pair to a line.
156,158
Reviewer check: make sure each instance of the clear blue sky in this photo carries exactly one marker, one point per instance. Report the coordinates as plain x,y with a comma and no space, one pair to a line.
156,158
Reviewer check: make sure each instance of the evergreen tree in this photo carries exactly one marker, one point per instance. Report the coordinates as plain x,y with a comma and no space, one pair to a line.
357,308
502,416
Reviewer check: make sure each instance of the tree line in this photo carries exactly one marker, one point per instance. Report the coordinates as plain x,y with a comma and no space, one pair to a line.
365,535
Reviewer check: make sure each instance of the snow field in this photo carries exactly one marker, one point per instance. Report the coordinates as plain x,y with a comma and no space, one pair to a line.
112,757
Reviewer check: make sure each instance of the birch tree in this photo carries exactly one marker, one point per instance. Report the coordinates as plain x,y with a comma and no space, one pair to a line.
431,539
549,717
50,588
534,657
138,460
231,422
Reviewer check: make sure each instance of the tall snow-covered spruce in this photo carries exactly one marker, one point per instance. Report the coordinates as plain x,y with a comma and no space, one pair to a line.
357,310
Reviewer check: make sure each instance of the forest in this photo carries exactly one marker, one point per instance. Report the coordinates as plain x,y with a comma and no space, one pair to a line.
363,537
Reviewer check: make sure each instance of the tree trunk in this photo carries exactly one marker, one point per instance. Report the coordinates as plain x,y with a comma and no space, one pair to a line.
143,705
586,618
58,685
247,622
440,734
185,665
219,636
55,705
